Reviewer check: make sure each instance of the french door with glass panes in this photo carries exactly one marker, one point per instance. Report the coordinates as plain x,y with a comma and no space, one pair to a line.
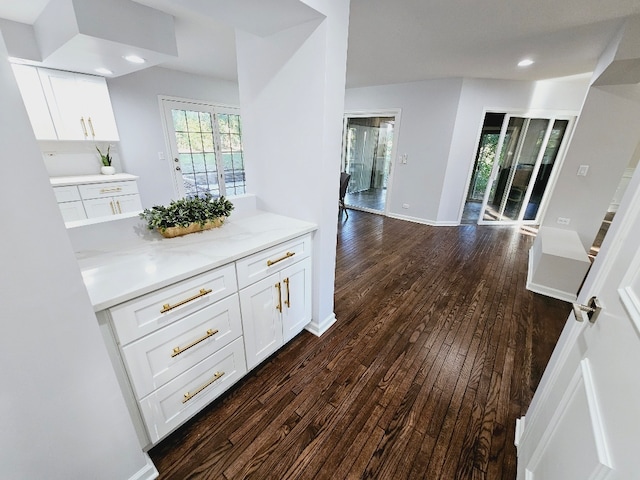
529,148
206,148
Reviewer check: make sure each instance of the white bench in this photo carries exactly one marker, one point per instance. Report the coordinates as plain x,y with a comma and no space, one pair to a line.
558,264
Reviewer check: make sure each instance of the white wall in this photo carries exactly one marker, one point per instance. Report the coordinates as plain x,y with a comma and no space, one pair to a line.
606,139
439,129
428,115
292,101
63,415
477,97
138,116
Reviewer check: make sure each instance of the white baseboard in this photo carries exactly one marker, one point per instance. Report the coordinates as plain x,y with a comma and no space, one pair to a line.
319,328
551,292
148,472
423,221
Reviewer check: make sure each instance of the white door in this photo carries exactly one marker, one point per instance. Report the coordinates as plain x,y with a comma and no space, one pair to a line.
296,298
584,420
260,304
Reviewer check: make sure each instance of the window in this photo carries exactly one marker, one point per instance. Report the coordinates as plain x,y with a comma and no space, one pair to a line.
206,148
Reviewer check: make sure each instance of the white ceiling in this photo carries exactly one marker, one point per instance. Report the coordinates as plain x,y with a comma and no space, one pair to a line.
409,40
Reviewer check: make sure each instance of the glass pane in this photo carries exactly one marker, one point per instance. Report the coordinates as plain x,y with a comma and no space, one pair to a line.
238,161
505,162
235,143
227,161
182,141
195,139
205,122
210,162
189,184
517,161
179,120
223,122
225,143
193,121
234,124
198,163
186,164
207,142
548,160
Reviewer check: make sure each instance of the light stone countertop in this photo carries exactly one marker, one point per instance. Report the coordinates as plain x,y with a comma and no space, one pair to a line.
119,272
85,179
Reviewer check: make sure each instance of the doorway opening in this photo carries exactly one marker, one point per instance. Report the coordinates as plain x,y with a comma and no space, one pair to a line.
368,146
515,162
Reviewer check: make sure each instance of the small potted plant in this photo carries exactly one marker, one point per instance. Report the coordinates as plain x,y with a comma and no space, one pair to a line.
106,159
187,215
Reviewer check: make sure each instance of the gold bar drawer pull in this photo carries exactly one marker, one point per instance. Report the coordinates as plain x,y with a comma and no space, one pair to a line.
178,350
111,190
188,396
287,302
286,255
203,291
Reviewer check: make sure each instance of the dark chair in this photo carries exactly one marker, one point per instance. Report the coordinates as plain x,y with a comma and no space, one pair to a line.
344,183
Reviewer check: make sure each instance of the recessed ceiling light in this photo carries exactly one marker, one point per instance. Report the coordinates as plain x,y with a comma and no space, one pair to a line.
525,63
134,59
104,71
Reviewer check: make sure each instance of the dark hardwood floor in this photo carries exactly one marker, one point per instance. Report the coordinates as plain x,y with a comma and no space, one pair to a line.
437,350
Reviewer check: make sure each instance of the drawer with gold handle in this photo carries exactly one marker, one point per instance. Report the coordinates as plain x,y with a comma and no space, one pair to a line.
145,314
172,404
260,265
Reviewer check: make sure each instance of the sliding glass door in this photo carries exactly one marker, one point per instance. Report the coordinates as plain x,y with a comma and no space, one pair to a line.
528,148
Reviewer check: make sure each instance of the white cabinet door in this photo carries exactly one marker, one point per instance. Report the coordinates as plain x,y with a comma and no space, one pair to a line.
128,203
296,298
80,105
97,108
65,103
261,320
105,207
72,211
100,207
35,102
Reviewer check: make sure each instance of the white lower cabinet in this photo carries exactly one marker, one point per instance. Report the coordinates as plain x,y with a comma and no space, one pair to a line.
275,309
93,196
177,348
106,207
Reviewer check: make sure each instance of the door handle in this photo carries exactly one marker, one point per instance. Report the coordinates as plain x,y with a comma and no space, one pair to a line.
592,310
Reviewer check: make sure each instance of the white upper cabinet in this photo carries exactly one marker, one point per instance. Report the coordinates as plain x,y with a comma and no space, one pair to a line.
66,105
35,102
80,105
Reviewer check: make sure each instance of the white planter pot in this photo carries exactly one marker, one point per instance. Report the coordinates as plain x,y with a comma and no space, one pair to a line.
107,170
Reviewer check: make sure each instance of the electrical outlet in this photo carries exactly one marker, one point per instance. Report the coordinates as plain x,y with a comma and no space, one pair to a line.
582,170
564,221
160,155
405,205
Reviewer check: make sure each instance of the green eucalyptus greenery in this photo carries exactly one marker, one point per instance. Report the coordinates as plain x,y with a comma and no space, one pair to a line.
184,212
